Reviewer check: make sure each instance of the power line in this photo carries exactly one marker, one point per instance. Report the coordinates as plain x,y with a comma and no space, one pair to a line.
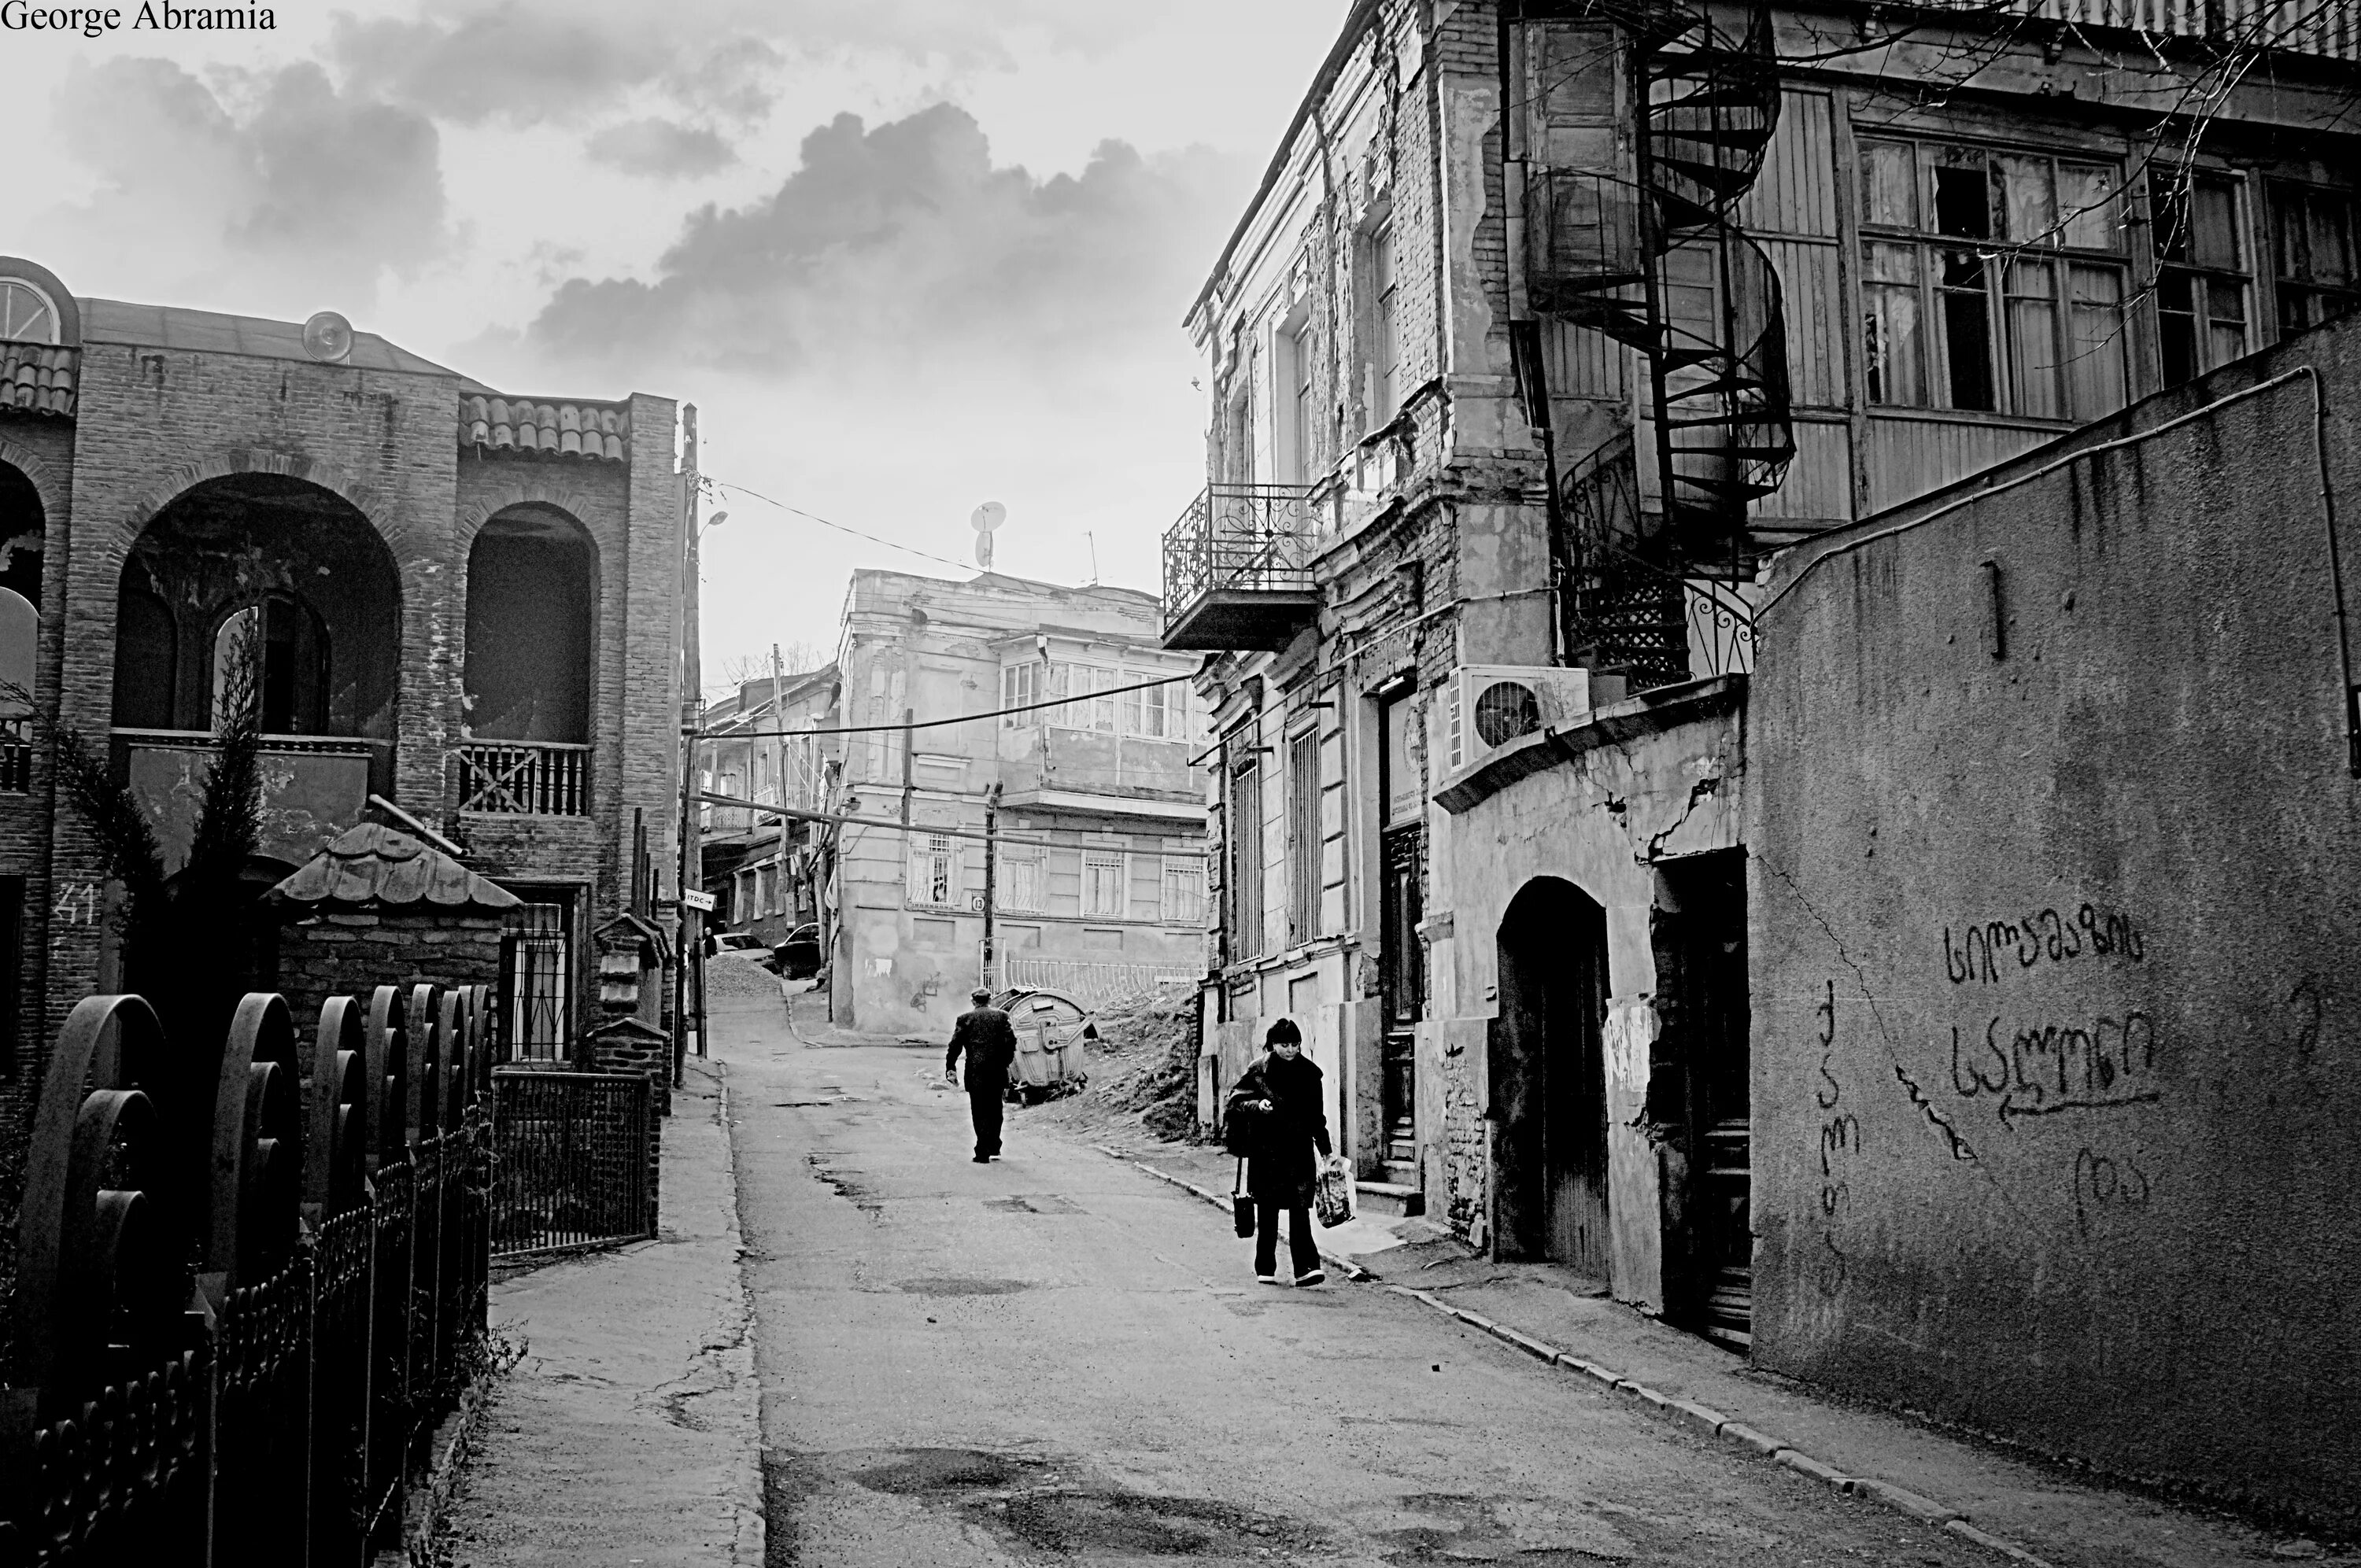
938,723
841,528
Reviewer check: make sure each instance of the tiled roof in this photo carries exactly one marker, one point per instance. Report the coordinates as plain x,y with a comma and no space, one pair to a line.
38,377
374,865
555,430
210,332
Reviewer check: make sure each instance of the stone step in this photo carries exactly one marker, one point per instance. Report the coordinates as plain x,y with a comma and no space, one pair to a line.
1391,1198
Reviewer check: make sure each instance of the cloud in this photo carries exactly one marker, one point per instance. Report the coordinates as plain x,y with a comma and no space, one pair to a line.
276,175
902,250
660,149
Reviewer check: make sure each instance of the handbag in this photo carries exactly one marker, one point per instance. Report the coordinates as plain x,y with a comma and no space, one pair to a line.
1242,1214
1333,1201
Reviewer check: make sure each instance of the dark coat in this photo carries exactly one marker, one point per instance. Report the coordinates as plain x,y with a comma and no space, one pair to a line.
991,1047
1280,1167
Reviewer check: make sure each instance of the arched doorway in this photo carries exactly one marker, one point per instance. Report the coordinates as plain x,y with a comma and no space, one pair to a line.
532,595
302,558
1549,1078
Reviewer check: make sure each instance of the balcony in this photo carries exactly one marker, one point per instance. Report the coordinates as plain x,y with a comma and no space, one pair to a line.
1237,569
314,786
524,778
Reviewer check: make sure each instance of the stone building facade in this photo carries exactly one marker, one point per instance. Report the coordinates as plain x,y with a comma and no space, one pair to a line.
1099,884
1550,327
470,606
766,873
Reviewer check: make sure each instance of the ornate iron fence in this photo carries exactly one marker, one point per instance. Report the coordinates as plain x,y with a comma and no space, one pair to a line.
1244,538
239,1310
571,1154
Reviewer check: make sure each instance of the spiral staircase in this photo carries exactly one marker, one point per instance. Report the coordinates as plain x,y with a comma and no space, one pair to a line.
1661,264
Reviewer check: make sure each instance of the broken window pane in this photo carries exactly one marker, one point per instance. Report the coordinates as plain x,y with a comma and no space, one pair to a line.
2175,315
1890,330
1967,328
1963,193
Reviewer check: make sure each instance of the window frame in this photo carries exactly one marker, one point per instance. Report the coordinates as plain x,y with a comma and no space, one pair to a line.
1006,895
2208,282
1959,277
1180,884
941,856
2285,287
1117,863
1381,350
11,282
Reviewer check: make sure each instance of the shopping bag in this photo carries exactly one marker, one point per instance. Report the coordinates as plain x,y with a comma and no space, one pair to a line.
1242,1214
1332,1202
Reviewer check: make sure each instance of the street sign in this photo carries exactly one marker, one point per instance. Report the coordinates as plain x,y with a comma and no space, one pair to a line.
696,900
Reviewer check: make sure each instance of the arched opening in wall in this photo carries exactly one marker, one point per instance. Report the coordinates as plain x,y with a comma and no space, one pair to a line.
23,525
532,607
302,558
1548,1072
532,595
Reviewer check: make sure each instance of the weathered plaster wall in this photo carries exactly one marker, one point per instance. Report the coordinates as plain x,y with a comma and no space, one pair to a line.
1600,818
2056,1023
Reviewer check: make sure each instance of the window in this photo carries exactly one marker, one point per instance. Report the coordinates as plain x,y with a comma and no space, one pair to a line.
1184,893
1303,836
27,315
1080,682
1154,713
1020,685
1020,883
1243,831
2201,277
1990,280
930,871
1102,884
1383,349
2311,243
538,979
1295,464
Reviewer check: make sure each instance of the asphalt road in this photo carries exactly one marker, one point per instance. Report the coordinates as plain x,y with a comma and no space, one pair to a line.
1057,1359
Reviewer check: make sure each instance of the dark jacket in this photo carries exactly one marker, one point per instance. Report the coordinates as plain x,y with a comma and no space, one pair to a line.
991,1047
1280,1167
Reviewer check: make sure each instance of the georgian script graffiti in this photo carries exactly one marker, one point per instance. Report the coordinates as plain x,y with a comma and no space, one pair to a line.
2045,1067
2103,1183
1840,1130
1984,953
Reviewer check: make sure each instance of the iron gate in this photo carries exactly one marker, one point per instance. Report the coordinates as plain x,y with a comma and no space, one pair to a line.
570,1153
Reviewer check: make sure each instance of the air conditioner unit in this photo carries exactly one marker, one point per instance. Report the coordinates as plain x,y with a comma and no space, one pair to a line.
1492,705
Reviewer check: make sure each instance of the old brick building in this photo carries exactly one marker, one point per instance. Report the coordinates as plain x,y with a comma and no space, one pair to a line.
470,607
1550,327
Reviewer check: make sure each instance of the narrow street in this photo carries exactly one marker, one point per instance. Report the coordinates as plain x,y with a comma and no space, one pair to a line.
1057,1358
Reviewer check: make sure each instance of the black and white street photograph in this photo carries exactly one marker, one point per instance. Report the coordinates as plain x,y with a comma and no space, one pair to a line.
1274,783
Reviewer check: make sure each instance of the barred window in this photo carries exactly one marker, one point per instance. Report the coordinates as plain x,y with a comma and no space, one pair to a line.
1020,883
1184,893
1102,884
931,872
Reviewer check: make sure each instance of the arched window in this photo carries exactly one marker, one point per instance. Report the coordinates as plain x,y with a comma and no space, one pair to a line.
27,315
292,686
20,637
532,592
146,656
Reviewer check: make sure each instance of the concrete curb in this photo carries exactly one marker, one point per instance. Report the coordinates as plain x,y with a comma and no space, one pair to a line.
429,1503
1343,1265
1712,1422
749,1550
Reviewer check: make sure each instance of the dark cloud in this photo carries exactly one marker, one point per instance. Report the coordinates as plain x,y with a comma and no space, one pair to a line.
904,248
660,149
278,174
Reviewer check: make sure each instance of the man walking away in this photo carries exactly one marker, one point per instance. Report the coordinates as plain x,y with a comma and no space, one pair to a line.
984,1033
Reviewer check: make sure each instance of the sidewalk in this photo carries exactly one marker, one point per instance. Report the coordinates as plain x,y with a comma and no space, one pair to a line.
628,1434
2002,1500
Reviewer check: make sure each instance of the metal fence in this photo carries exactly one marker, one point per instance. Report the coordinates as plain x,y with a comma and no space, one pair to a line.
570,1159
248,1290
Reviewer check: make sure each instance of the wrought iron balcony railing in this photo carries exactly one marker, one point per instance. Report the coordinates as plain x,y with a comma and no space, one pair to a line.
1237,568
15,756
531,778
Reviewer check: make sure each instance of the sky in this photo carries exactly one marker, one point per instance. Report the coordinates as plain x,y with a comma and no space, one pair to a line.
904,256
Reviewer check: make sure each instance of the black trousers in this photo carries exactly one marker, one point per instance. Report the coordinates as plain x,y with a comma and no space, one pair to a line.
1303,1246
984,1106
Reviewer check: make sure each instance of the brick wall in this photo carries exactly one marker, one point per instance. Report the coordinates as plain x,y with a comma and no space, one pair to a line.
348,953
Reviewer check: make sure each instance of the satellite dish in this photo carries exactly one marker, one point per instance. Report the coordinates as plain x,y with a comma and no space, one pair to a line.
987,517
328,336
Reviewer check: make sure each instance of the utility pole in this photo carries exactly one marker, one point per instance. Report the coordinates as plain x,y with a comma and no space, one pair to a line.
688,968
779,768
991,874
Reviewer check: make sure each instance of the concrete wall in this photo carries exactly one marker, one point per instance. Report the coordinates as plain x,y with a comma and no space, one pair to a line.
2057,1022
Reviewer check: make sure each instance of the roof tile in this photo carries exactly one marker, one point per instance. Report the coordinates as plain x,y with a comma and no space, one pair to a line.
375,865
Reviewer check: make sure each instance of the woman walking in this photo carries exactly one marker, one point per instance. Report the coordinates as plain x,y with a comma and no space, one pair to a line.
1282,1095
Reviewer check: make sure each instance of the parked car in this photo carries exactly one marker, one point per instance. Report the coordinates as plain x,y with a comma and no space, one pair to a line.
735,942
799,956
1051,1028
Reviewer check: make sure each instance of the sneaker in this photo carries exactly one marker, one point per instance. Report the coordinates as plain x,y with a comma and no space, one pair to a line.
1266,1278
1317,1276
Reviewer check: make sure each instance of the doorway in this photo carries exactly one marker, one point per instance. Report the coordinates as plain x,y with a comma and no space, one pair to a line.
1549,1080
1697,1094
